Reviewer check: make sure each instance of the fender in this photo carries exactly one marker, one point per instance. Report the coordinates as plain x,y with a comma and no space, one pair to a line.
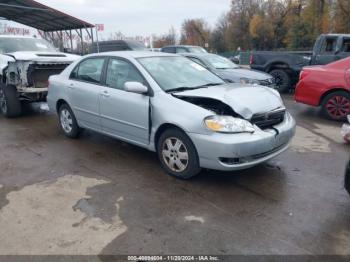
4,62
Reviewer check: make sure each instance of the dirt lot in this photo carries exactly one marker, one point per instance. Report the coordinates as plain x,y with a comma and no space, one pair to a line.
97,195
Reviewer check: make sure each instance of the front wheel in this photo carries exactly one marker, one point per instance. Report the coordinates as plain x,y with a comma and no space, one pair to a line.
68,122
336,106
10,105
282,80
177,154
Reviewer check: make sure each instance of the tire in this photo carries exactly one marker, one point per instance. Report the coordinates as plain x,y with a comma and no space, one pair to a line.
10,105
282,80
347,178
336,105
173,158
68,122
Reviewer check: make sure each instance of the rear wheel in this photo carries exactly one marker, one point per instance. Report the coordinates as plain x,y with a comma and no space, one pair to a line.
282,80
336,106
10,105
68,122
177,154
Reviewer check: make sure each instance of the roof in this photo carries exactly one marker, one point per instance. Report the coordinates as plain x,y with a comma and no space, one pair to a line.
134,54
198,54
182,46
39,16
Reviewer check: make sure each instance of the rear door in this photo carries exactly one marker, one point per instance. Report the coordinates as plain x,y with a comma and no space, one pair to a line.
84,87
124,114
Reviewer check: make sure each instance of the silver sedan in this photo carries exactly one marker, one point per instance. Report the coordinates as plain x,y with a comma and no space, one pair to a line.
173,106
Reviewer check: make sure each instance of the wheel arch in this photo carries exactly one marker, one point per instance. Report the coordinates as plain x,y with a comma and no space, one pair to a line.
161,129
330,91
59,103
277,65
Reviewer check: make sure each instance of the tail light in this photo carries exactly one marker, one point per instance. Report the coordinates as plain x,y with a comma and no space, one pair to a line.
251,59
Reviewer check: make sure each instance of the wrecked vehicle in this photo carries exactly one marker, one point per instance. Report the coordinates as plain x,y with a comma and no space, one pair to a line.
173,106
26,64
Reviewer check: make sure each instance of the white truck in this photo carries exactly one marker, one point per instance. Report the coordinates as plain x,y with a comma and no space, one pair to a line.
26,63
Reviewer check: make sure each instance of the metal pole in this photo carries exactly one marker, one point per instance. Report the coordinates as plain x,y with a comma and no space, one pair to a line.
82,41
71,40
97,43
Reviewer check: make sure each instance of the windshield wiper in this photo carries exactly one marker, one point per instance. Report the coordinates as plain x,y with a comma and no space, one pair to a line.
185,88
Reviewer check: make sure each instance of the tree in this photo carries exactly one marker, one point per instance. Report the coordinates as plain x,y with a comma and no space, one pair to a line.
195,32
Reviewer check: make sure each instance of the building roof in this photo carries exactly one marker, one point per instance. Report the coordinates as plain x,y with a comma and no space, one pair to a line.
39,16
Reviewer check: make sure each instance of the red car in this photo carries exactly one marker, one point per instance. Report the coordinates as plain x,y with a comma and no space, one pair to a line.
327,86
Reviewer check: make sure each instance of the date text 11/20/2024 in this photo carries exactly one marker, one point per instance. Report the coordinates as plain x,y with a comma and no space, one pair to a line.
173,258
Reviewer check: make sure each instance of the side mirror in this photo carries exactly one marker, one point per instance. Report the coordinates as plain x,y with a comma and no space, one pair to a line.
135,87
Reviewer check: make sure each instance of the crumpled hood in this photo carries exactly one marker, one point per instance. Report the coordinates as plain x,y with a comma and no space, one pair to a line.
56,57
236,74
245,100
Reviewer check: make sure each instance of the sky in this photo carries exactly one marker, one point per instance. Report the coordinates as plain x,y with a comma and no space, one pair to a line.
141,17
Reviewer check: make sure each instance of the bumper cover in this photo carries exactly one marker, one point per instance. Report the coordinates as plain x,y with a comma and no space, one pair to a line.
228,152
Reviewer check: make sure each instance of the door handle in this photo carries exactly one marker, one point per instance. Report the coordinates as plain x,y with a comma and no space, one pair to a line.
105,94
71,86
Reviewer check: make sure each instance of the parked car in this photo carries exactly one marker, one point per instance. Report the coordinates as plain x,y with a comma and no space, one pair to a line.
347,178
286,66
229,71
327,86
174,49
168,104
25,66
155,49
117,45
235,59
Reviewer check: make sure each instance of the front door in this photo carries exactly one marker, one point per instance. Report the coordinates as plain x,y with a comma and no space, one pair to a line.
123,114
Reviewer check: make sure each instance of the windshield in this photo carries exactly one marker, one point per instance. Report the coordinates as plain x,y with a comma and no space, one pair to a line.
220,62
173,73
10,45
197,50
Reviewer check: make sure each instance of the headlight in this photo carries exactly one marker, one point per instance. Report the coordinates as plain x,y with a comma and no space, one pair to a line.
248,81
228,124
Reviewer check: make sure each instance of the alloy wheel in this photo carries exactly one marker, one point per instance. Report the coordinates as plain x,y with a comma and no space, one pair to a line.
338,107
175,154
66,120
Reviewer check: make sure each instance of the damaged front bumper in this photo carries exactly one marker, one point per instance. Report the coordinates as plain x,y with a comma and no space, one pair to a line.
228,152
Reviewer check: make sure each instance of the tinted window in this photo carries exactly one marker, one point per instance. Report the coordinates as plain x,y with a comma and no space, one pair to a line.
329,45
119,72
346,45
89,70
181,50
169,50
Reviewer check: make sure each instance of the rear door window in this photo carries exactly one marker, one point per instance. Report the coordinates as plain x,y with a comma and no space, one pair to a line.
89,70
